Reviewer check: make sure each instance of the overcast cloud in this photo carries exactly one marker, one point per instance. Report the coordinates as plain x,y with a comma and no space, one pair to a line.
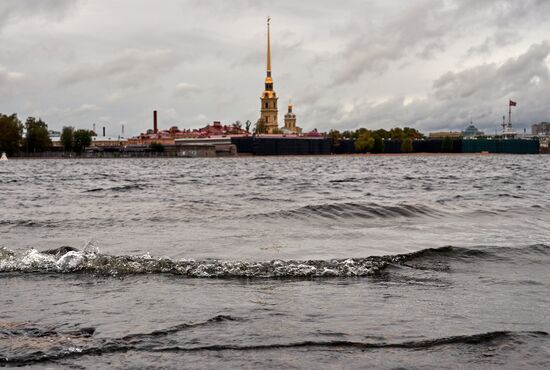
429,64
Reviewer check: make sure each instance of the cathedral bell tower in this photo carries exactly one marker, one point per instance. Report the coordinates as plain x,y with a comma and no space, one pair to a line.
290,122
269,98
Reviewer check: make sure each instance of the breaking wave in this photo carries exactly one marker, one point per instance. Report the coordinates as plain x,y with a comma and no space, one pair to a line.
91,261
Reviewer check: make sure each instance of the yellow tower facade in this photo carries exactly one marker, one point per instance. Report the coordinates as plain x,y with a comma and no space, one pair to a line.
269,111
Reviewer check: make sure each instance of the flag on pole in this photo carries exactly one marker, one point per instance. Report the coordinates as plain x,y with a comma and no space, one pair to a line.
513,103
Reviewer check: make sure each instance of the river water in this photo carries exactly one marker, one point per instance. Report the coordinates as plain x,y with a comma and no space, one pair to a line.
285,262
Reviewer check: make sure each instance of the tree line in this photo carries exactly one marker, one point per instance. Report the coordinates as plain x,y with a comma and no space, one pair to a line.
33,136
76,140
372,141
36,139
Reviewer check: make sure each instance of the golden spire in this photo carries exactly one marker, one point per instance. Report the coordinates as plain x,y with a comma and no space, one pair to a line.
268,50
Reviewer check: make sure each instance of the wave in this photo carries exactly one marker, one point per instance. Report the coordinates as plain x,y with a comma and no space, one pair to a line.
345,180
121,188
494,253
30,223
332,211
353,210
446,258
488,337
91,261
53,346
448,252
21,344
180,327
15,330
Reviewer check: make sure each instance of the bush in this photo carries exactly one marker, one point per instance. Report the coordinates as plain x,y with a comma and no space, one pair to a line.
407,146
378,146
37,138
67,138
81,140
364,143
11,131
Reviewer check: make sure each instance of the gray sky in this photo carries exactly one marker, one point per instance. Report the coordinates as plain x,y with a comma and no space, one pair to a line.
428,64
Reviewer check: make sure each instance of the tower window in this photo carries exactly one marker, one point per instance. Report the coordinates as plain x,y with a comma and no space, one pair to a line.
266,105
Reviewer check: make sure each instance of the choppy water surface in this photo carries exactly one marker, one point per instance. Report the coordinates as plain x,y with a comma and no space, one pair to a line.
294,262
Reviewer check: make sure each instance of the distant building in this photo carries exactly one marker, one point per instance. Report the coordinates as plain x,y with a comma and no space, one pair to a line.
52,133
107,142
169,137
97,142
290,122
206,147
541,129
472,131
55,137
444,134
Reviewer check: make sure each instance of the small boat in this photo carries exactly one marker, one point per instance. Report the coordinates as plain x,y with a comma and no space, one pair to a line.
4,157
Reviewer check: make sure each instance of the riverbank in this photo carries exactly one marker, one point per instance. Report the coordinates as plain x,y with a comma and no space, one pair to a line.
248,155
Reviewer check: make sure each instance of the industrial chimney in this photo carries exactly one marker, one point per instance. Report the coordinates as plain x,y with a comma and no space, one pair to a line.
155,126
103,131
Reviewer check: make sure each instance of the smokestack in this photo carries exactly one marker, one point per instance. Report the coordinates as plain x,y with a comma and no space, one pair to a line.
103,131
122,130
155,127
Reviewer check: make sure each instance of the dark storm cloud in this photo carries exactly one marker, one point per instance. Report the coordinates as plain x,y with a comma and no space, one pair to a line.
479,93
493,80
488,87
500,39
426,28
377,44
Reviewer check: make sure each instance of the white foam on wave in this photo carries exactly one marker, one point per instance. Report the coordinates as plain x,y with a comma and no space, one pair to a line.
90,260
34,261
29,261
70,261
